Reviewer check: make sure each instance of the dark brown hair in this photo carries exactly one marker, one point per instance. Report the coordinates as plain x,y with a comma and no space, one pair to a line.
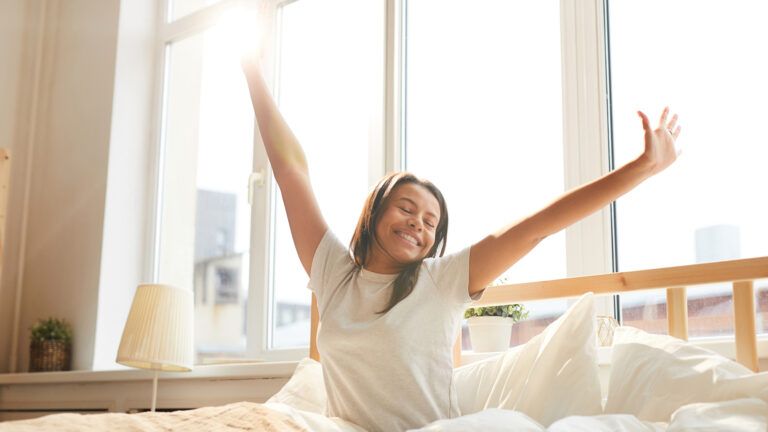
365,232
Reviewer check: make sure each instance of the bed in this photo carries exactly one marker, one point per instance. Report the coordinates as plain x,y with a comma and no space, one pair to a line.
656,382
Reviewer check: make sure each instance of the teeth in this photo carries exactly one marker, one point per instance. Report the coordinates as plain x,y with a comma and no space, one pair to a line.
408,238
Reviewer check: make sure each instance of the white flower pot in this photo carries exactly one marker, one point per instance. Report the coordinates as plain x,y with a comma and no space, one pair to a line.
490,333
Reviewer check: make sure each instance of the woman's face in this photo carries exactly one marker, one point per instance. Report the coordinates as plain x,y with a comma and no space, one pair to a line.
406,230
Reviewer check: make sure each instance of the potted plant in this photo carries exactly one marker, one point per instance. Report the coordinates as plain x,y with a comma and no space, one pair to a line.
50,346
490,327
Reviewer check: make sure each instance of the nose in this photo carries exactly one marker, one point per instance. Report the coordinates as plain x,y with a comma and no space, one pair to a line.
414,223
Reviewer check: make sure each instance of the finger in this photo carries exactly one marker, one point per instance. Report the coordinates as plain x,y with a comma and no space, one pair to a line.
263,8
676,132
663,119
672,123
646,123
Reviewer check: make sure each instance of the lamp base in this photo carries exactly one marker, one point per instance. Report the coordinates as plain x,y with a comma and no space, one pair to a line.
154,392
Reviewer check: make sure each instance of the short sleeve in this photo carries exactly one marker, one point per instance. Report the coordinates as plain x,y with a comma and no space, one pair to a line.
330,265
450,275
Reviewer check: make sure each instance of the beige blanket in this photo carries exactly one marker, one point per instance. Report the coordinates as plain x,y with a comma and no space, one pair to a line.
241,416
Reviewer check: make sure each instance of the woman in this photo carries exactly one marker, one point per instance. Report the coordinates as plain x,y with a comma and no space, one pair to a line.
390,304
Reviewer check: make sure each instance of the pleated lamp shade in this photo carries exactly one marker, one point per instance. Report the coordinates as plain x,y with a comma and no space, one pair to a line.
158,333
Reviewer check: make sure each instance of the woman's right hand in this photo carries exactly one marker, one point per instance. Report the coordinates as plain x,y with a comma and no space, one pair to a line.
286,157
254,49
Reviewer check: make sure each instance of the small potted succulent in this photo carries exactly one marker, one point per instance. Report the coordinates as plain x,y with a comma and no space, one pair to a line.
490,327
50,346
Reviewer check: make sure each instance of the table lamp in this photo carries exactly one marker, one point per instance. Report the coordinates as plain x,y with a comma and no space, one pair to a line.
158,334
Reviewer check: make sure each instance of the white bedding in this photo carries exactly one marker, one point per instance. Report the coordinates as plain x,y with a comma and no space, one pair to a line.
552,376
657,383
741,415
736,415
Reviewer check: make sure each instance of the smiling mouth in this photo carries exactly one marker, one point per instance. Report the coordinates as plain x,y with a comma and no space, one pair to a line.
408,238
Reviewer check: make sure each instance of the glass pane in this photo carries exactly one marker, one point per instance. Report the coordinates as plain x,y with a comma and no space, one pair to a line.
484,118
331,82
710,310
761,302
205,216
181,8
645,310
705,207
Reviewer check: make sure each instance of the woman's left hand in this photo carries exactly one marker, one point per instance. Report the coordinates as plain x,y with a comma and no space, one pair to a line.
660,149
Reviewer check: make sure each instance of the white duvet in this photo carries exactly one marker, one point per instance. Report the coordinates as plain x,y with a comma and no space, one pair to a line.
657,383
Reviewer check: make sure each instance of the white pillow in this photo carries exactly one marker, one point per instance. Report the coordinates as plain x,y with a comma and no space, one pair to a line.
654,375
306,388
741,415
554,375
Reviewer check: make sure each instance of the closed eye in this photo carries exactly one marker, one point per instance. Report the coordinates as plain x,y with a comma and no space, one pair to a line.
405,210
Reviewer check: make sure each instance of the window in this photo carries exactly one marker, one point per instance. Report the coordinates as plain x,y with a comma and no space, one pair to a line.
206,157
251,298
488,89
705,208
330,89
503,105
341,84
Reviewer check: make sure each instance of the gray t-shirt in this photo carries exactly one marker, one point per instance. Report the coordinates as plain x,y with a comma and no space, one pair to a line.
393,371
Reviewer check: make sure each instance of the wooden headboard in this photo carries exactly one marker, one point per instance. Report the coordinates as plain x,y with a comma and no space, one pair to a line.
676,280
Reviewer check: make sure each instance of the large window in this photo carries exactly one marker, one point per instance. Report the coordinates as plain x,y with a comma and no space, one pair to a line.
330,88
708,206
204,218
503,105
484,123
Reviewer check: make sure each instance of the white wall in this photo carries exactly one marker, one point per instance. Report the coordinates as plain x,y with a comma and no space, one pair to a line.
69,168
72,123
126,241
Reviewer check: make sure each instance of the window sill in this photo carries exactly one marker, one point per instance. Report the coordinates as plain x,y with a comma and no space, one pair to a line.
282,369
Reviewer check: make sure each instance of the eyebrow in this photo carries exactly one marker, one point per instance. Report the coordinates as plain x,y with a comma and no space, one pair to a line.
429,213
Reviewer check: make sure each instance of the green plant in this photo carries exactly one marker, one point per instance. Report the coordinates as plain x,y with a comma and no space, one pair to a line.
51,329
515,311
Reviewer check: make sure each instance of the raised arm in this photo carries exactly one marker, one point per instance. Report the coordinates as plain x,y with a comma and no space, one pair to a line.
493,255
289,166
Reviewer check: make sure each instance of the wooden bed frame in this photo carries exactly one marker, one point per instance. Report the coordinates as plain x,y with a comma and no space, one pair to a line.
676,280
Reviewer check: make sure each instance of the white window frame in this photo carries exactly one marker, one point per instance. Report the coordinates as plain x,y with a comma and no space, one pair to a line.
585,140
589,248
